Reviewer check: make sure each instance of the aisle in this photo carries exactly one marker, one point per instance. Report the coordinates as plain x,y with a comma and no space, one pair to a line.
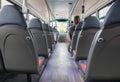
61,68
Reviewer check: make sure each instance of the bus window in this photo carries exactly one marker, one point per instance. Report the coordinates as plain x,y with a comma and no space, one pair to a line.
101,20
103,12
31,17
4,2
61,25
94,14
53,23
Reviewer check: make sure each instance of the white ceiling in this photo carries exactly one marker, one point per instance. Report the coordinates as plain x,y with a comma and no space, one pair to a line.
38,7
61,8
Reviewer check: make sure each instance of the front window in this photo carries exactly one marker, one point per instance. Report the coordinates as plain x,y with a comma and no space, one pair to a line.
103,12
61,26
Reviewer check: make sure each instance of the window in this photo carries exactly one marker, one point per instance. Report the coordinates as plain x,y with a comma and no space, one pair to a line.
101,20
103,12
31,17
53,23
94,14
4,2
42,21
61,26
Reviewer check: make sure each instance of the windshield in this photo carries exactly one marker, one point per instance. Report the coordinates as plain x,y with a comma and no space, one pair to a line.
61,26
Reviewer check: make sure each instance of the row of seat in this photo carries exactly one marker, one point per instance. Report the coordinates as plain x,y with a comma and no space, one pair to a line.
97,47
23,50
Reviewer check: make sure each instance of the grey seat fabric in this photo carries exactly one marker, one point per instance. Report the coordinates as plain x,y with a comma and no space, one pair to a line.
52,35
15,43
36,30
2,68
48,34
104,58
56,34
90,27
75,35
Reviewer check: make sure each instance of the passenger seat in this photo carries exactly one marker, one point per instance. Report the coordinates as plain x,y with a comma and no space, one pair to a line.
104,56
2,68
75,35
39,38
48,34
16,44
90,28
52,37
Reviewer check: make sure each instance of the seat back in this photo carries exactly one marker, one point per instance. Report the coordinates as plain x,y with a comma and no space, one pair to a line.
52,35
15,43
56,34
90,27
48,34
36,30
75,35
2,68
104,60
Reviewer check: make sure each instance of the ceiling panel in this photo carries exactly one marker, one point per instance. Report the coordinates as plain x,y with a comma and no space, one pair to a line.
61,8
40,6
77,10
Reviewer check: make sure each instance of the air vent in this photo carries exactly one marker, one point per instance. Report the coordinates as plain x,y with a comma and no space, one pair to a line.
70,3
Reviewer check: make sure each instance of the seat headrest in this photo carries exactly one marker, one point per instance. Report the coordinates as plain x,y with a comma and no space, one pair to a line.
91,22
46,27
10,15
79,26
113,15
35,24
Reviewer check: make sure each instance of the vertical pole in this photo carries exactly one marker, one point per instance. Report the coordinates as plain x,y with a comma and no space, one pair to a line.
83,9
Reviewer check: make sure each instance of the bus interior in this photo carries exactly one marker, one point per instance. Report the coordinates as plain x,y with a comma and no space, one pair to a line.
35,42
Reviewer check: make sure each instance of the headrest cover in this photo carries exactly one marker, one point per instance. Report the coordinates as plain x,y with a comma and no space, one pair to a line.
79,26
91,22
45,27
10,15
113,15
35,24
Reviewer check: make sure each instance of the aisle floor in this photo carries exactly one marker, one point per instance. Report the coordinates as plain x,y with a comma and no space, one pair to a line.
60,67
